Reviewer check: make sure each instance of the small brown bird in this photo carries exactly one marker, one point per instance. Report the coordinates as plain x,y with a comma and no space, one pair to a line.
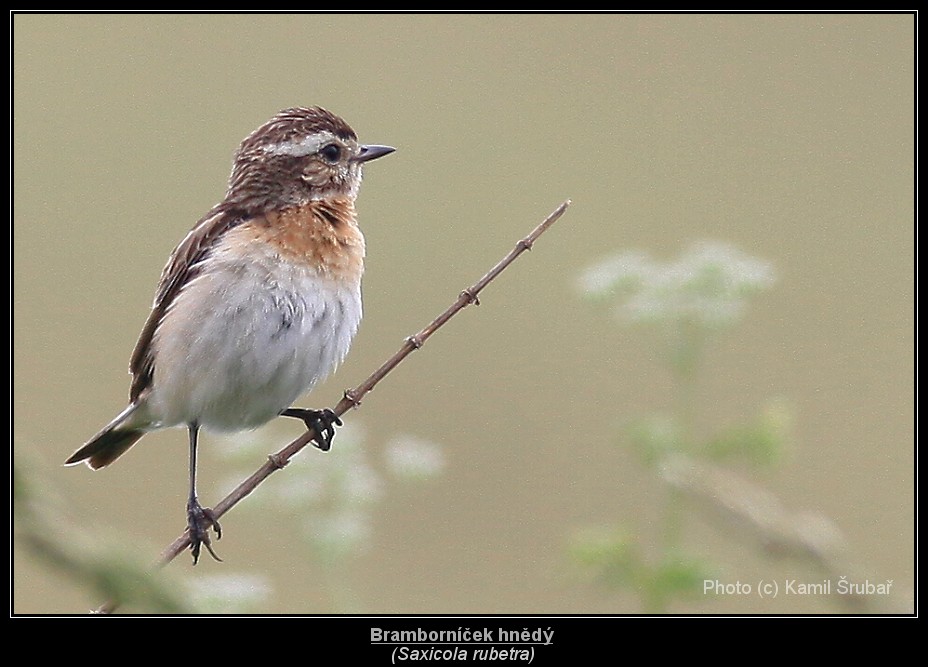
258,303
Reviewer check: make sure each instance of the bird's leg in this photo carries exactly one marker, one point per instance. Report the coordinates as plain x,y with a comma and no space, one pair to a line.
199,519
323,422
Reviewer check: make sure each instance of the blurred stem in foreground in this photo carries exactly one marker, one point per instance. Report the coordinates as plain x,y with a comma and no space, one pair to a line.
114,566
107,566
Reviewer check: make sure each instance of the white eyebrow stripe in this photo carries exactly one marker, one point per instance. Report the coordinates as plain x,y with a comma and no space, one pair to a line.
303,147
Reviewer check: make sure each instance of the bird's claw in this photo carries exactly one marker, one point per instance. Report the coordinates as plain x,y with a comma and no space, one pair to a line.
323,422
199,521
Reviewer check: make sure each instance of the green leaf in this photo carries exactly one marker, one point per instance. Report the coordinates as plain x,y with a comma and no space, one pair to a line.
762,442
610,554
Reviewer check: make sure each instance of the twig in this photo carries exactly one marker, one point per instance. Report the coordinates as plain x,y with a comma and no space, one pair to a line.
352,397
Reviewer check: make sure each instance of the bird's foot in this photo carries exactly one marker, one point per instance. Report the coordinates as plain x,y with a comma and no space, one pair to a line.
323,422
199,521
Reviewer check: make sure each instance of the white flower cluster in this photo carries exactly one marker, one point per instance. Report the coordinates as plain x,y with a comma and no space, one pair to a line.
708,285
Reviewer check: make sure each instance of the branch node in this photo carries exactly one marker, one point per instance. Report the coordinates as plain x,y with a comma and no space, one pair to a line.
414,341
277,461
525,244
470,296
352,397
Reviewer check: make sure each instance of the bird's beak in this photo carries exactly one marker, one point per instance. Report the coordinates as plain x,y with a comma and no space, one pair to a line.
372,152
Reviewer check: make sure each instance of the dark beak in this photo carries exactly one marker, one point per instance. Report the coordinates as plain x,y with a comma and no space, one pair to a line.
372,152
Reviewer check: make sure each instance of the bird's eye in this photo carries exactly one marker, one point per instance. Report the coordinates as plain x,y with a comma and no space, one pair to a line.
331,152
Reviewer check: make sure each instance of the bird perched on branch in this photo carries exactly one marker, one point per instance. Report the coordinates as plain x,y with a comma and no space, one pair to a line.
258,303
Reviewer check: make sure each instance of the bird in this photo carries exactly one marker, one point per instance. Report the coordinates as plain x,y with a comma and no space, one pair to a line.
257,304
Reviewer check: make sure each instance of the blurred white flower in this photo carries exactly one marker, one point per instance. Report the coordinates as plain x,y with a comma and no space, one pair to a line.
411,457
334,494
620,272
228,593
339,534
708,285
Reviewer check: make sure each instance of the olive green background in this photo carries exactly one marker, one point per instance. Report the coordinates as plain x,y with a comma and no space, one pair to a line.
790,136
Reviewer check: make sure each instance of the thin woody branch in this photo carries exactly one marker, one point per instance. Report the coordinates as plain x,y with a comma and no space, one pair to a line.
352,398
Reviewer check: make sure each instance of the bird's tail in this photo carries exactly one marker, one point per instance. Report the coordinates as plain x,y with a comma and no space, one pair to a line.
110,443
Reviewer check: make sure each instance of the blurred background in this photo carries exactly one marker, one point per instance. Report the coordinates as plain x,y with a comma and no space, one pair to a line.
547,452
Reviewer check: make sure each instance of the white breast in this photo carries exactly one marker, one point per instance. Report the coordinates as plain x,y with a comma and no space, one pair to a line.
245,339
